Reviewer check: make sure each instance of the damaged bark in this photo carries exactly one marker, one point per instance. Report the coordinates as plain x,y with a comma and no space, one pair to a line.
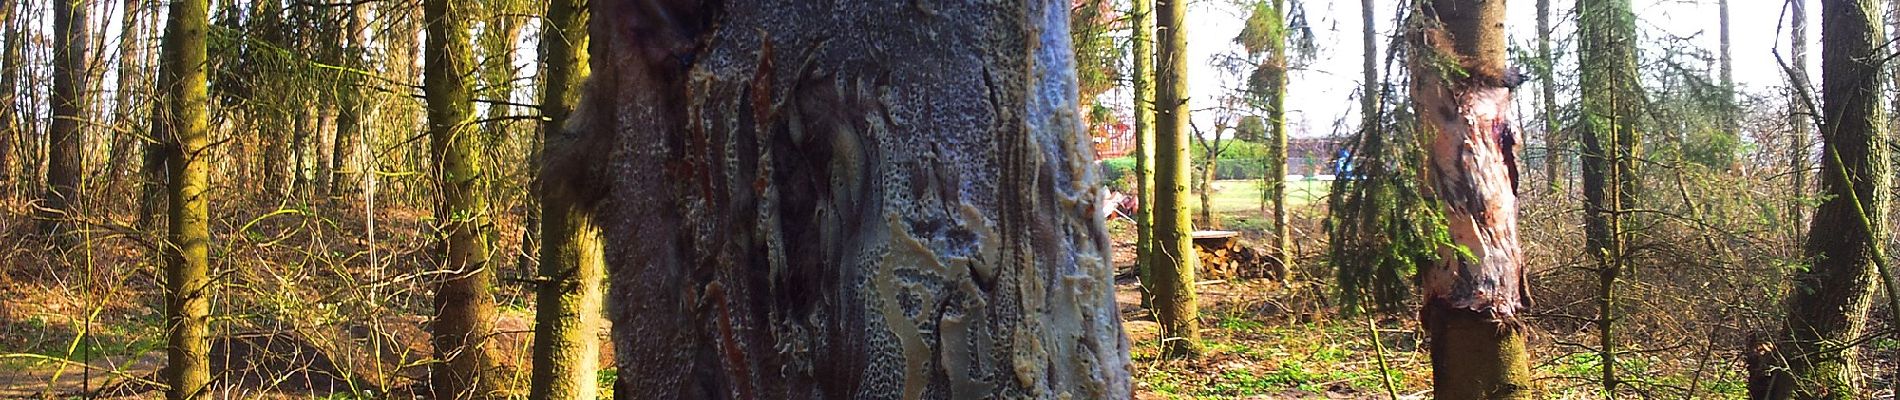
810,199
1475,290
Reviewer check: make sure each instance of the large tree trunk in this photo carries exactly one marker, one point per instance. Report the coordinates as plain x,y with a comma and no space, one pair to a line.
180,123
1829,304
903,212
69,104
1144,76
568,306
1475,291
1174,260
1612,103
464,302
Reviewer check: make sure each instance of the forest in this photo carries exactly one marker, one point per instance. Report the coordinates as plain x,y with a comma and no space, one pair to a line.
949,199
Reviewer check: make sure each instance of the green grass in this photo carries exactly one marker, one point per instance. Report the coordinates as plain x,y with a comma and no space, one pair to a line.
1237,202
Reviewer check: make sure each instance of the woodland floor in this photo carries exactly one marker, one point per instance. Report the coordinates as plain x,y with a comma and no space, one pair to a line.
1263,341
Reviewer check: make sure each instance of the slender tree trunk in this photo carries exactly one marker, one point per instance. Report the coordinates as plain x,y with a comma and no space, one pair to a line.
1800,156
1830,301
1555,144
181,123
1612,103
1472,305
1209,167
464,302
127,137
10,135
1144,77
65,135
568,306
1729,111
907,222
1276,162
1174,260
1371,97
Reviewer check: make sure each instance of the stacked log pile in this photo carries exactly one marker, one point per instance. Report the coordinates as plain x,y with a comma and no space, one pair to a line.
1225,256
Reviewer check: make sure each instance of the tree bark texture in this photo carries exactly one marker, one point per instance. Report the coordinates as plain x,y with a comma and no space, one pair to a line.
71,43
1612,101
568,306
181,124
1829,301
847,200
464,301
1474,292
1173,271
10,134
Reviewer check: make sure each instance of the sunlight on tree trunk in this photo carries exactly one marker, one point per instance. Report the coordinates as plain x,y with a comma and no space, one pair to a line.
1174,259
181,123
568,305
464,300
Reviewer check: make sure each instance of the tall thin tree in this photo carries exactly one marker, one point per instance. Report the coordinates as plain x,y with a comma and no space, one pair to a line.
1555,146
464,300
181,124
1475,290
1143,12
568,306
1800,153
1612,103
1174,259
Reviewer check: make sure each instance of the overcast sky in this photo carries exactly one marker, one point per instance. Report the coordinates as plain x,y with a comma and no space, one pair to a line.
1325,91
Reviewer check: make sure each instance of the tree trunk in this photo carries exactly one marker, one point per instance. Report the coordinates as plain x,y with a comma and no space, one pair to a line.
1555,143
1174,259
901,212
127,136
464,302
10,134
1209,166
1144,77
1471,305
180,124
1612,103
65,134
1800,157
1830,301
568,306
1277,159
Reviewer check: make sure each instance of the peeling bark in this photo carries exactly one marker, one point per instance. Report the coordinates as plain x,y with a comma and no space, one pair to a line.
1475,290
811,199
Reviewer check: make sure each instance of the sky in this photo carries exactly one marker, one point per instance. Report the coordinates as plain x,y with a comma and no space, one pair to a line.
1326,91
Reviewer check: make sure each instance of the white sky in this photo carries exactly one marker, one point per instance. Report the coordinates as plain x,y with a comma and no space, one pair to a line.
1326,90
